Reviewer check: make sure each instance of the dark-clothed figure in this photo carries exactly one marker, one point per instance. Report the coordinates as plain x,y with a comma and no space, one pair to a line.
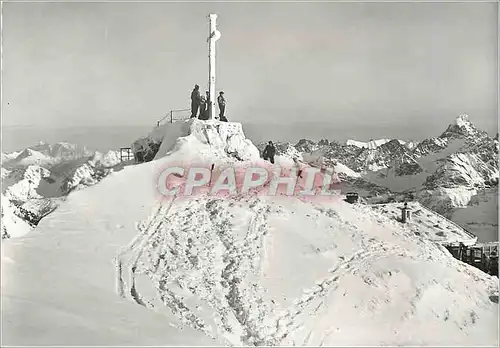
269,152
222,106
195,101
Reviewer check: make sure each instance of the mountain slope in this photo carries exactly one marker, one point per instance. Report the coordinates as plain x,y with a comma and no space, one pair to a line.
245,270
350,270
12,224
75,302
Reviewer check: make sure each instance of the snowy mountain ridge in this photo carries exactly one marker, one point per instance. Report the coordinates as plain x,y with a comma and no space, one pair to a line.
443,172
45,155
463,127
373,144
21,184
34,180
12,224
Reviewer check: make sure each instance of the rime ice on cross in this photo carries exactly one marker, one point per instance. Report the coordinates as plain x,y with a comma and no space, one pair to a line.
213,35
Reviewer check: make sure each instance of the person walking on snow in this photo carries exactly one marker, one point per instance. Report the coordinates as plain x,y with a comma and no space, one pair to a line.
195,100
269,152
222,106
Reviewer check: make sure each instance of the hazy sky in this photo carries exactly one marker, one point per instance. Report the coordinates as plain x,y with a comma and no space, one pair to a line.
408,64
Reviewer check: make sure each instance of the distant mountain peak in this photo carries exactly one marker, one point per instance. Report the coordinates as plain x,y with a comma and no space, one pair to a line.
27,153
462,120
462,127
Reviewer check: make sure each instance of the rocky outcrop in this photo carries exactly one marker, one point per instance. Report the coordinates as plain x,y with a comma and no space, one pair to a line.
305,145
463,128
225,139
35,209
474,165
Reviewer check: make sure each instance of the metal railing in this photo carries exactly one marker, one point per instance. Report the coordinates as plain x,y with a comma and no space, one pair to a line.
482,257
126,154
170,116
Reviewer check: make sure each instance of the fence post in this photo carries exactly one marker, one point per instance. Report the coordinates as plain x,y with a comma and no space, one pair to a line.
171,116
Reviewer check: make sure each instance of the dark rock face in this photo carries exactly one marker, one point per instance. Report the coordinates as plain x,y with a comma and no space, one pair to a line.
323,142
36,209
408,169
432,145
145,150
463,128
305,145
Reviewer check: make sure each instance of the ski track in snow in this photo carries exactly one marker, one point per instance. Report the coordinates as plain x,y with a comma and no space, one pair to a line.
136,247
175,260
224,289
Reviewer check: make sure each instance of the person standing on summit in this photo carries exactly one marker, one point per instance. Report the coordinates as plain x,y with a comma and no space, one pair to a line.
203,102
222,106
195,101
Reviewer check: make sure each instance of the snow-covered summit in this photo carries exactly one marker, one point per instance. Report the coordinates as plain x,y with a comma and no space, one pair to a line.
443,172
9,156
30,157
463,127
211,139
247,270
474,161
